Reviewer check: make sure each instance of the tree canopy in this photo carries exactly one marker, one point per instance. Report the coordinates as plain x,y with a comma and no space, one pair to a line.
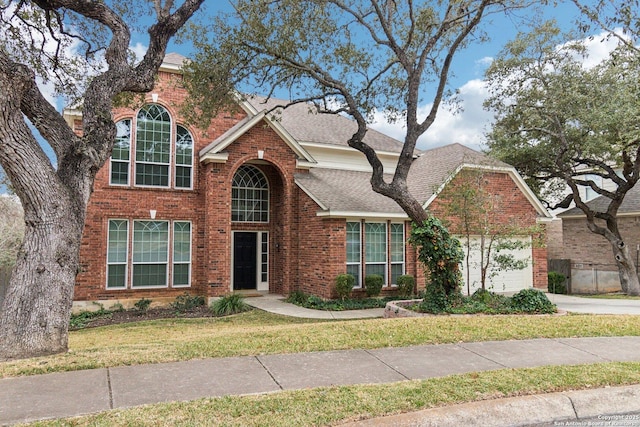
82,48
564,124
352,57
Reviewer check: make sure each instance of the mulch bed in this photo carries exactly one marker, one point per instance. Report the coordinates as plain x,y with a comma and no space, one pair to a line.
128,316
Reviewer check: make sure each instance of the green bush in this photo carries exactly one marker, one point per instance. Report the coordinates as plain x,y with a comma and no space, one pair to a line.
435,300
186,302
344,285
373,285
406,284
142,305
229,304
532,301
297,297
556,283
481,295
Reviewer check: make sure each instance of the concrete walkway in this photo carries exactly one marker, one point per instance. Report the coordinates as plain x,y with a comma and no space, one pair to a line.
595,305
82,392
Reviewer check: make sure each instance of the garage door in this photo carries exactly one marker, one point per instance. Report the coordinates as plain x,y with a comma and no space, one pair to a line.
502,281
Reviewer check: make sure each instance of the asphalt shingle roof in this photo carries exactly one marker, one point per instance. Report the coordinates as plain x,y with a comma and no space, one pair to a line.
350,191
306,124
631,204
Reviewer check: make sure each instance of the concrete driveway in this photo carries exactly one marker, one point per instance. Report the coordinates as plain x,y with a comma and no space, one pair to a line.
595,305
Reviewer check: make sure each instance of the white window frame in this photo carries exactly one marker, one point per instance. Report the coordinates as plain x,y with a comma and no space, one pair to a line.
128,162
167,262
175,159
171,150
404,248
127,257
384,263
358,283
172,239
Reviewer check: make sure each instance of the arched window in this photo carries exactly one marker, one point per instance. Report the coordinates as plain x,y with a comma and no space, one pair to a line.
249,195
153,146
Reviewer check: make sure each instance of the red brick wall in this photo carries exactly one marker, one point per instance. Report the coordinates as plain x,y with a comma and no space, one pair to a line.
511,208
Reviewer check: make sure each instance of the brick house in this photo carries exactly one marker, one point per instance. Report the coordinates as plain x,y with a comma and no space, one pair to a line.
593,268
258,201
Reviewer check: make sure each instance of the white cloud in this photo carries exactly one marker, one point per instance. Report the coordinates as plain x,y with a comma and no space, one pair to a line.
466,127
139,50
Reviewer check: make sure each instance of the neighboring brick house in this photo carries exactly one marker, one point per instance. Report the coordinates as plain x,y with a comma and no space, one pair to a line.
593,268
258,201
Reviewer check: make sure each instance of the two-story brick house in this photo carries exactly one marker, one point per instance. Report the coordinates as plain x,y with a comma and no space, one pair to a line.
258,201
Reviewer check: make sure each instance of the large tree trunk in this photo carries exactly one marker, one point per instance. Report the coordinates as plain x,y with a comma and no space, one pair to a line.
626,270
34,319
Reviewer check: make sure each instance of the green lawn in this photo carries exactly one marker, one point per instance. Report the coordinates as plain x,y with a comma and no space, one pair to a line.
257,332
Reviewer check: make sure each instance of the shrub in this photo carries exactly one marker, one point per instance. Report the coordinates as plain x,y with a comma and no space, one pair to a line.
373,285
406,284
344,285
229,304
556,282
481,295
186,302
532,301
143,305
435,300
297,297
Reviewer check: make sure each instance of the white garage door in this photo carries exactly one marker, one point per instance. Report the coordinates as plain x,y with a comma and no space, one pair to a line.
502,281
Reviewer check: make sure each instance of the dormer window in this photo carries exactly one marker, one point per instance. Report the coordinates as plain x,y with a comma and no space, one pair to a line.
163,151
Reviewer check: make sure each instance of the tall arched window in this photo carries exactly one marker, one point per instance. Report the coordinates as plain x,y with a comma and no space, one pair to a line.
249,195
153,146
184,158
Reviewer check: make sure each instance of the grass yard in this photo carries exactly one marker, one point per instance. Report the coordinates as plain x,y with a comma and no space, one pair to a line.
335,405
256,332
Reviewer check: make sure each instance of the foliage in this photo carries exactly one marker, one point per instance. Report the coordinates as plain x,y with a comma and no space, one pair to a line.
532,301
143,304
317,303
80,320
373,284
572,124
186,302
386,57
229,304
556,283
480,215
441,253
344,284
297,297
406,284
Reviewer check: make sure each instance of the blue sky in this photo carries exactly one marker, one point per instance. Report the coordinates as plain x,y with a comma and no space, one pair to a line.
468,68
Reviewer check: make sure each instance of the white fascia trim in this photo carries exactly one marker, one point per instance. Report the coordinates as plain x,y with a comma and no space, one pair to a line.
308,193
214,158
511,171
233,136
171,68
329,146
582,215
303,164
362,215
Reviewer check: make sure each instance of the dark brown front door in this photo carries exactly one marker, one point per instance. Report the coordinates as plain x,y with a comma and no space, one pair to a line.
245,249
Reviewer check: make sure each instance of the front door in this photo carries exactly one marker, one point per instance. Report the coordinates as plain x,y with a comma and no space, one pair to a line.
245,250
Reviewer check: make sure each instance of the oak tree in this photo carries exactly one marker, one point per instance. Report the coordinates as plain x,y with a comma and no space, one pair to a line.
81,47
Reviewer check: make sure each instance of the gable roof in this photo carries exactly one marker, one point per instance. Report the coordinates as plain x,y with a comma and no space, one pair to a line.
630,205
348,193
307,125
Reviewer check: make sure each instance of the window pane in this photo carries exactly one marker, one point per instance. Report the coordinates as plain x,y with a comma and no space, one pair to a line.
116,276
183,177
150,241
396,271
376,242
249,195
182,242
181,275
149,275
397,243
380,269
354,270
153,146
121,153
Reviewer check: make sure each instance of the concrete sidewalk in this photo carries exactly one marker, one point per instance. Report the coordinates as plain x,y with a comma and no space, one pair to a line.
82,392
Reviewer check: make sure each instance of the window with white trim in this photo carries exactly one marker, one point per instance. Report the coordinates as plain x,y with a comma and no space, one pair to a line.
249,195
383,250
153,146
396,232
354,251
120,156
375,237
184,158
150,263
163,151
